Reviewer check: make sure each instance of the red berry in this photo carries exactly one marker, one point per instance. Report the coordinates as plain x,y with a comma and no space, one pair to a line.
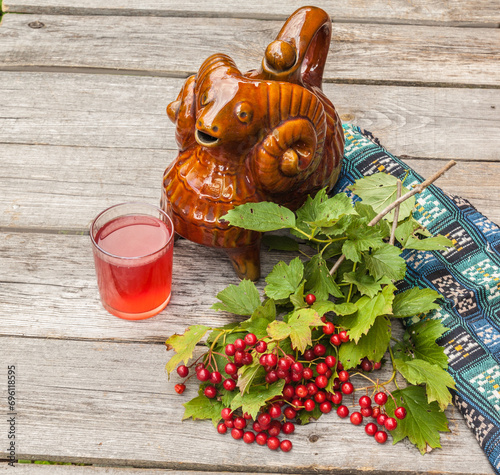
237,433
377,365
301,391
231,368
325,407
240,344
222,428
322,368
238,356
328,328
390,423
330,361
400,412
365,401
312,389
344,376
216,377
307,373
180,388
309,405
321,381
230,349
261,346
309,355
226,413
275,411
297,403
376,412
288,391
290,412
210,392
319,349
366,411
199,366
381,419
380,398
381,436
297,367
264,419
335,339
320,397
288,428
274,428
250,339
257,427
240,422
229,385
271,377
284,364
344,338
247,359
248,437
296,377
347,388
203,374
182,371
337,397
310,299
342,411
271,359
356,418
273,443
263,360
261,438
229,423
340,366
286,445
371,428
366,365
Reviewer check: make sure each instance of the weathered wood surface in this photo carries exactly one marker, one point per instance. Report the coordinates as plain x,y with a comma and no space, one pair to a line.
364,53
458,12
111,403
31,468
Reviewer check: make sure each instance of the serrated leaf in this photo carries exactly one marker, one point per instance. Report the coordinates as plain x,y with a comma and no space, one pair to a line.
260,319
423,336
297,298
342,224
308,212
202,407
405,229
278,330
284,279
257,396
368,310
386,261
240,299
365,283
184,345
246,375
423,421
436,379
304,417
280,243
263,217
325,306
360,239
435,243
330,210
379,191
372,345
414,301
318,279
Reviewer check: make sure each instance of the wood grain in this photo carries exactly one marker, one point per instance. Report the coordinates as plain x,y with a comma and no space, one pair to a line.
458,12
111,403
177,46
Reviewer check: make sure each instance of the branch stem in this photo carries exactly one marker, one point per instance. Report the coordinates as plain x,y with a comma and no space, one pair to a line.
392,239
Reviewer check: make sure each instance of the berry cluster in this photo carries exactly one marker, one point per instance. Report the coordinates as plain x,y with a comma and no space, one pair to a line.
315,383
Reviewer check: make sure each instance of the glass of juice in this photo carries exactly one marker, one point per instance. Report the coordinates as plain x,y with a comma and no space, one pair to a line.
133,246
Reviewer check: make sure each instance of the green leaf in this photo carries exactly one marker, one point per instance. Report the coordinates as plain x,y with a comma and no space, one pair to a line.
240,299
325,306
342,224
366,211
247,373
365,283
263,217
298,328
256,397
260,319
284,279
280,243
309,211
304,417
360,239
406,229
318,279
436,243
297,298
423,421
184,345
379,191
330,210
202,407
423,336
437,380
368,310
386,261
414,301
372,345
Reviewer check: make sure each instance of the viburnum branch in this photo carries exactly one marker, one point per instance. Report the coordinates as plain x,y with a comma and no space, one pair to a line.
417,189
392,239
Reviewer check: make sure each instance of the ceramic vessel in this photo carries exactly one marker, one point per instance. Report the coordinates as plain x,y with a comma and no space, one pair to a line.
265,135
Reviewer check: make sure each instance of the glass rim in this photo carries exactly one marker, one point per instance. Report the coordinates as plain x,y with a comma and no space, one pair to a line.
141,203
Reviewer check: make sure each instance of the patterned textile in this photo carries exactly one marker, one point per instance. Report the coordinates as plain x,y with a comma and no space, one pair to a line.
468,277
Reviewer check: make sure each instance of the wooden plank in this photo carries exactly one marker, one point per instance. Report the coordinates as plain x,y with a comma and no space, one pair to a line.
110,403
458,12
177,46
129,112
63,188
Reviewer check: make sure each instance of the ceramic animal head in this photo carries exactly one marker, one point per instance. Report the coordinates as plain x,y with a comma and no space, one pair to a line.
267,135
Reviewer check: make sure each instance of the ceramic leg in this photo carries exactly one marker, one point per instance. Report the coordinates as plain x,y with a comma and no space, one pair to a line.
246,261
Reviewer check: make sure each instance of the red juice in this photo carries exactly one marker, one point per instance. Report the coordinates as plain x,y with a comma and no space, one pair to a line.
133,260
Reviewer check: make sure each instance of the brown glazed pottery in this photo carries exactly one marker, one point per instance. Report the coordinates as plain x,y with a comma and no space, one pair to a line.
266,135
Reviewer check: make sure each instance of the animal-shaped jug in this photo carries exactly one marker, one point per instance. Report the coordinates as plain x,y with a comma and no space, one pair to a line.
267,135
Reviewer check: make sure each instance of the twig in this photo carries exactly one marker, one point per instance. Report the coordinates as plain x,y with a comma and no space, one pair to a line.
416,189
396,215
